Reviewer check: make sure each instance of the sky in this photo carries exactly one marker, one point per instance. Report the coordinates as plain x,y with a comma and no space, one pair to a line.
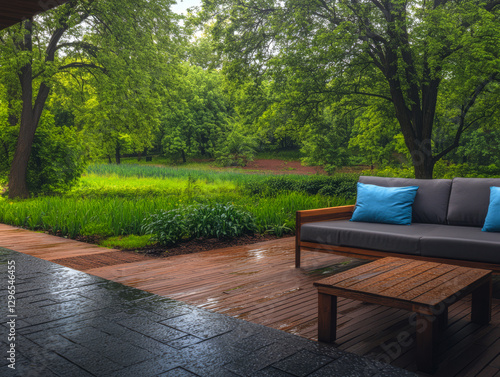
183,5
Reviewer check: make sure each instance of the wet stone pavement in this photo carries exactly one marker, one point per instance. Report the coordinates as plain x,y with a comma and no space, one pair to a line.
73,324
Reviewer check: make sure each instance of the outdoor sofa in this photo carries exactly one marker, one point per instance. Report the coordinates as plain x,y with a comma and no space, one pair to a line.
446,223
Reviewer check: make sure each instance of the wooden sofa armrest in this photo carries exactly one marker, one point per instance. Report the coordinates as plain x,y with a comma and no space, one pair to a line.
324,214
321,214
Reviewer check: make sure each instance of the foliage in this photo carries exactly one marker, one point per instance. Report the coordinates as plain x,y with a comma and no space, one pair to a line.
326,141
167,228
57,159
219,221
201,221
236,149
196,118
376,137
425,62
444,169
124,51
96,208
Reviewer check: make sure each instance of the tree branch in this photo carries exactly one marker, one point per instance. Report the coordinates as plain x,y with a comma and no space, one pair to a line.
373,95
82,65
465,110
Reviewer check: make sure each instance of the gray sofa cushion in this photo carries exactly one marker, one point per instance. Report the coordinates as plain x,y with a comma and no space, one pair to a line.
461,242
431,202
404,239
469,200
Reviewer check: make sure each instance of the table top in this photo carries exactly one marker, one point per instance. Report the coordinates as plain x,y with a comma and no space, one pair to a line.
405,281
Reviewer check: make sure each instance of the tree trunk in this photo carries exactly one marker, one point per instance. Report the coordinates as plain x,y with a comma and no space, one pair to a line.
6,151
30,116
18,187
109,159
117,153
183,156
423,166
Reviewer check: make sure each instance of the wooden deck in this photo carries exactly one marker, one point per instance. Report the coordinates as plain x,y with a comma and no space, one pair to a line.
259,283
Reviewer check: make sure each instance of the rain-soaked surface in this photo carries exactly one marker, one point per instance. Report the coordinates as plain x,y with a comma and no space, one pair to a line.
67,323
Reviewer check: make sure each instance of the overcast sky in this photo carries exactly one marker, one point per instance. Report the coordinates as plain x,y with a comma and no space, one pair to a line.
182,5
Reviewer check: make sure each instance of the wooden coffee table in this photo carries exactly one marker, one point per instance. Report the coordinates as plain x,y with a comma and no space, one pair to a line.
426,288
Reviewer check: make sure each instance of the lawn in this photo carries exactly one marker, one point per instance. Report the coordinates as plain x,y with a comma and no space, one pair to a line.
113,201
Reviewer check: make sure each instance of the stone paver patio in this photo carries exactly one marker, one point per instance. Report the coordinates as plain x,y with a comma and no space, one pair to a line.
70,323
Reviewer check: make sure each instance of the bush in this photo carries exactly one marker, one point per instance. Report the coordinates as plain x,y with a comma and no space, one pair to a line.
198,221
56,161
237,150
219,221
167,227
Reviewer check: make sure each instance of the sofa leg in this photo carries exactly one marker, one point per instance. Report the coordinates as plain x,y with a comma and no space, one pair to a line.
297,256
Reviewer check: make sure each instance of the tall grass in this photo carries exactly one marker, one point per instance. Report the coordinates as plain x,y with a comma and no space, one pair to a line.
114,200
69,216
143,171
93,186
120,216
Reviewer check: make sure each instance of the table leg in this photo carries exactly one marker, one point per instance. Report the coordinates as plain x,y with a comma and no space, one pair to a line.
481,304
443,319
427,327
327,318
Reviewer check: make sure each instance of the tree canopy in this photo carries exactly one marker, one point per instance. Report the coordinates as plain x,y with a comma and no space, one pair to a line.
385,83
122,46
436,63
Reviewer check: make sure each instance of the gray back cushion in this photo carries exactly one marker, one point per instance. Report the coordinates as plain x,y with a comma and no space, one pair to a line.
431,202
469,200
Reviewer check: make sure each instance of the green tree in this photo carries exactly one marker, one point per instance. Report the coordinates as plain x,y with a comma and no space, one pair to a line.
325,140
196,114
120,39
404,52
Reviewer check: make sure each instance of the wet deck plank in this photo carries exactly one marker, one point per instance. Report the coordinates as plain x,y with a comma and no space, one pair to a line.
259,283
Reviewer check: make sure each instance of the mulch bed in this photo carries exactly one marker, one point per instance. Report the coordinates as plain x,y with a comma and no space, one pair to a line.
189,247
198,245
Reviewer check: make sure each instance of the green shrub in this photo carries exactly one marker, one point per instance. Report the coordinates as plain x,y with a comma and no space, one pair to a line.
56,161
218,221
198,221
167,227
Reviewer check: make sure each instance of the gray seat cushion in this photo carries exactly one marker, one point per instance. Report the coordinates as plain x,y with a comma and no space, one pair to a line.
461,242
469,200
404,239
431,202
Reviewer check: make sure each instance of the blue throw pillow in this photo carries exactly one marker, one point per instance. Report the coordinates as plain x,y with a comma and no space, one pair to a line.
492,221
389,205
